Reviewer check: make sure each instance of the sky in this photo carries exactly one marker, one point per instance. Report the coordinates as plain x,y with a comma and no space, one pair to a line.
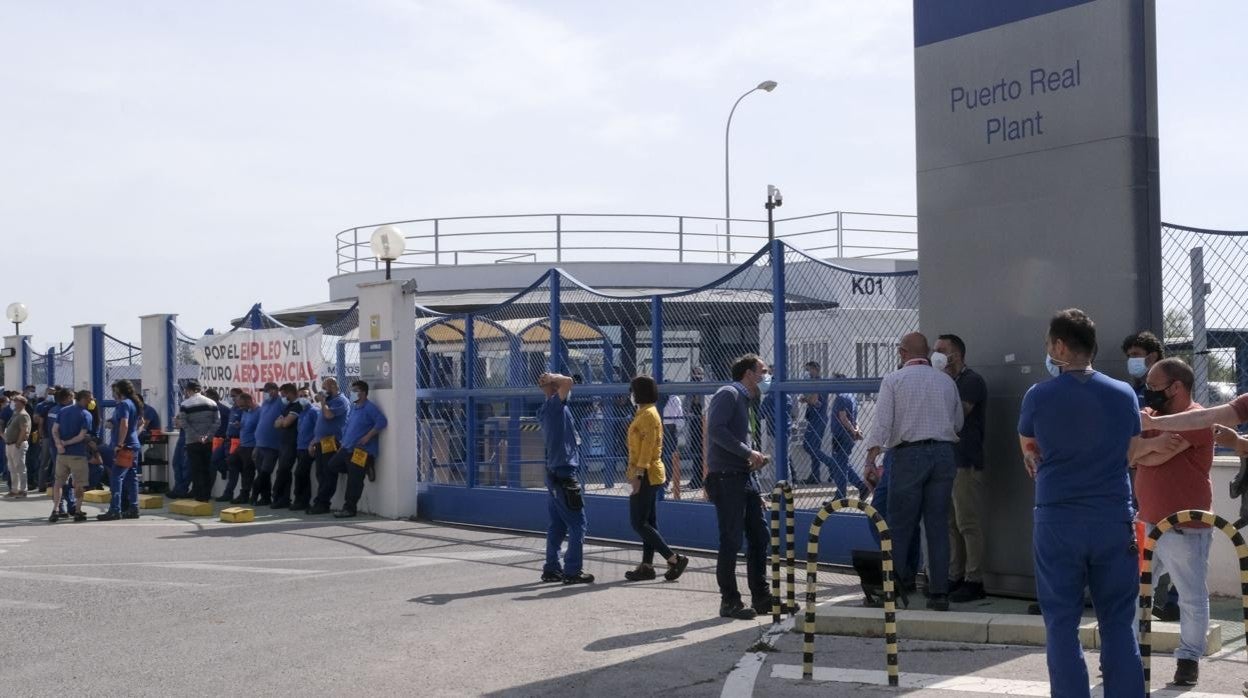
194,158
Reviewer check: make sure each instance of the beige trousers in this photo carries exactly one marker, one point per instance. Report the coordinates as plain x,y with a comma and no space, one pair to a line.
966,536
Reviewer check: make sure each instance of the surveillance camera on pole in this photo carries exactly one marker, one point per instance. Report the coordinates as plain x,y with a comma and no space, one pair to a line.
774,200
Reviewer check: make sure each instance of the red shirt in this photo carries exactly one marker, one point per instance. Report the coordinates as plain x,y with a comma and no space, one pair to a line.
1181,482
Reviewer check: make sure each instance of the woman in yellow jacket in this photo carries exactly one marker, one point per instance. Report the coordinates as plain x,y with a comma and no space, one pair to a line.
647,476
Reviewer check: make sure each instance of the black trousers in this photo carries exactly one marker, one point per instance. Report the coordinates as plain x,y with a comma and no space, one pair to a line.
199,456
303,477
642,509
266,463
739,513
242,464
340,463
282,480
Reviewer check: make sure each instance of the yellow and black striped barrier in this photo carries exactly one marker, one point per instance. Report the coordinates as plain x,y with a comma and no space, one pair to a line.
783,491
1146,576
890,597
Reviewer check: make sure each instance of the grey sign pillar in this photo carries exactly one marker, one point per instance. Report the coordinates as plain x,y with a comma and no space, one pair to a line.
1036,135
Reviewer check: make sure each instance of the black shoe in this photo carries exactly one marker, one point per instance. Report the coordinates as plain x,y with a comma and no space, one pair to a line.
579,578
1167,613
130,514
736,610
938,602
56,516
763,606
280,504
300,506
108,516
955,584
370,472
263,502
79,516
179,495
552,576
240,499
1033,609
226,498
203,499
345,514
968,591
674,571
1188,673
317,509
643,573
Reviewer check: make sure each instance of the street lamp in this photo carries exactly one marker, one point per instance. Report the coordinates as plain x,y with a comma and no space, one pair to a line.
765,86
17,314
388,245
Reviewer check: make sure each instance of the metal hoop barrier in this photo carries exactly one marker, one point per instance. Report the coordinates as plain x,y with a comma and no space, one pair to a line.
1146,576
783,490
890,597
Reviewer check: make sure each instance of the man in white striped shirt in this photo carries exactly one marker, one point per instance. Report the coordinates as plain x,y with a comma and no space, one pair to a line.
917,416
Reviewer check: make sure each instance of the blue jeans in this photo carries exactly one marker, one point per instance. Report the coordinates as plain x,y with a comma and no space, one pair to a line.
1184,554
879,500
739,513
124,483
181,468
920,490
1101,557
564,523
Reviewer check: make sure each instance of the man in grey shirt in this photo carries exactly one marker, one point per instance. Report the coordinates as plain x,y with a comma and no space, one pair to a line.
733,457
198,419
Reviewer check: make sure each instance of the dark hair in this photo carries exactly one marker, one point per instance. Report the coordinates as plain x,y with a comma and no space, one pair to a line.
235,392
126,390
744,365
246,396
1176,369
82,395
812,364
956,341
62,393
288,388
28,387
645,390
361,386
1075,329
212,394
1145,340
270,386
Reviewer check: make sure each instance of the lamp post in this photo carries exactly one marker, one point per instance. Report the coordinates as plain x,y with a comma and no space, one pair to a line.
774,200
388,245
766,86
17,314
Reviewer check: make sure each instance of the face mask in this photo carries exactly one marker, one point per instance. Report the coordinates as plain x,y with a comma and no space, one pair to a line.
697,379
1051,366
806,375
765,384
939,361
91,406
50,398
632,400
355,395
305,401
1156,399
1136,367
285,402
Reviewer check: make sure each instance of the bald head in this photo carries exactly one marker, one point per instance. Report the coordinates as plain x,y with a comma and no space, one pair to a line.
914,346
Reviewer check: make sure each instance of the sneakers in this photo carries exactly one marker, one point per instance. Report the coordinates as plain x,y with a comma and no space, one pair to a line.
674,571
643,573
552,576
108,516
130,514
55,516
762,607
938,602
1168,613
968,591
1188,673
736,610
79,516
579,578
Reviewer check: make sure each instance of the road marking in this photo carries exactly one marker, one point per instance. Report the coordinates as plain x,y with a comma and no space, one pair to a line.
74,579
28,605
957,684
213,567
13,541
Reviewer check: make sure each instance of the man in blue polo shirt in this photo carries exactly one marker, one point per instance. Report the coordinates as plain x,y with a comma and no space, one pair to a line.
305,433
566,504
268,444
70,433
327,437
1077,433
43,429
356,455
243,462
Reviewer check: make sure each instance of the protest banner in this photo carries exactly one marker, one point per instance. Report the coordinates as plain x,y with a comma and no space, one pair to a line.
247,359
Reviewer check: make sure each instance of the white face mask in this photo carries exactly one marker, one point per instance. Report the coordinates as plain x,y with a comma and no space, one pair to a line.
632,400
1137,366
305,401
355,396
939,361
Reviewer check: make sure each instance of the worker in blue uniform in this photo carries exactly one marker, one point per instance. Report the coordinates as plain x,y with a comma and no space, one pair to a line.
1078,432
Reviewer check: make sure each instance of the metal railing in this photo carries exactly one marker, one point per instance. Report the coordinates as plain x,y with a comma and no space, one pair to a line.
604,237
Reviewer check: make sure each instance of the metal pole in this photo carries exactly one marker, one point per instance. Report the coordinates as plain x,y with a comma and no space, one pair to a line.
1200,337
355,249
437,248
840,238
51,364
727,194
558,238
680,237
779,361
556,327
470,404
771,222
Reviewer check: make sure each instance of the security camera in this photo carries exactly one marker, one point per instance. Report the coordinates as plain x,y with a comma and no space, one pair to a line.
773,193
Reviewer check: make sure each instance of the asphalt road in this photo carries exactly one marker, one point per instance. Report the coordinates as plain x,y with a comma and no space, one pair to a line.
290,605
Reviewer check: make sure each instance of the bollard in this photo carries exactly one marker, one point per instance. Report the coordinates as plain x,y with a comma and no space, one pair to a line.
783,490
1146,576
890,597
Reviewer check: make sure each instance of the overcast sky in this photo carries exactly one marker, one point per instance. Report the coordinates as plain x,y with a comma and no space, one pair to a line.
192,157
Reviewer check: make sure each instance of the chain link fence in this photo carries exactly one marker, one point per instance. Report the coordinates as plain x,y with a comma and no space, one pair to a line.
1205,321
476,373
